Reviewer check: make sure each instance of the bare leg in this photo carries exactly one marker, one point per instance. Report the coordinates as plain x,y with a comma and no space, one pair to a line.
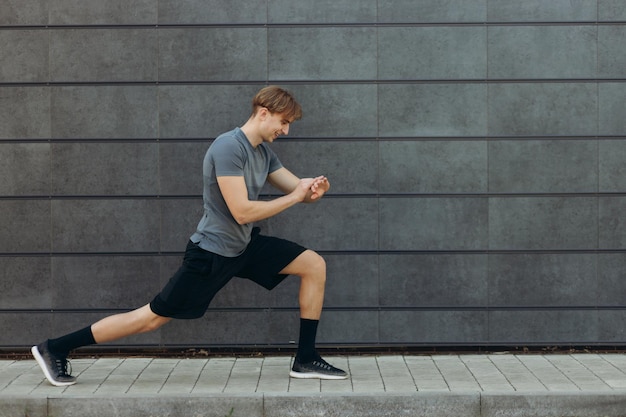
311,268
121,325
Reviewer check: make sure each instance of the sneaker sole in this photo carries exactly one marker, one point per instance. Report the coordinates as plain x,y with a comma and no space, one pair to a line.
42,364
315,375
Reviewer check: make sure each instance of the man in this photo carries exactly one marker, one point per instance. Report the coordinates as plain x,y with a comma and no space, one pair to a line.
226,244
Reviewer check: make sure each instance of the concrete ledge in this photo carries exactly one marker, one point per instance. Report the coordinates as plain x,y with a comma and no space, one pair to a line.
423,404
158,406
554,404
441,404
23,407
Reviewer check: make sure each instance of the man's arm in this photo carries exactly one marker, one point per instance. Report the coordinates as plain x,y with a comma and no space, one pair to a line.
286,181
245,211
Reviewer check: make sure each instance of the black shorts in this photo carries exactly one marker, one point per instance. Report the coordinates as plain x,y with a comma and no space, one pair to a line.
188,293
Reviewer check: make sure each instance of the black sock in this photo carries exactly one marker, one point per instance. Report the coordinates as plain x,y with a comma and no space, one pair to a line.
306,344
64,344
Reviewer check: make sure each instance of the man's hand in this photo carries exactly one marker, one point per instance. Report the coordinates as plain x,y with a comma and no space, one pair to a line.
306,188
314,188
318,188
303,190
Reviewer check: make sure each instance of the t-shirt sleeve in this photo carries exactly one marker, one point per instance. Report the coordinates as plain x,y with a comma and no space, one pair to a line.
228,158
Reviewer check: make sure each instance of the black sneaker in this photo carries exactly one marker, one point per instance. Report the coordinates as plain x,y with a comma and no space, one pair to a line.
53,367
317,368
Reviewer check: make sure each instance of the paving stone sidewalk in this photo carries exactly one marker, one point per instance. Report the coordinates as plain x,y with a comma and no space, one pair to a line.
576,385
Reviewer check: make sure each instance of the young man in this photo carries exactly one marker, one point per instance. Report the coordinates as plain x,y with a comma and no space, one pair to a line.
226,244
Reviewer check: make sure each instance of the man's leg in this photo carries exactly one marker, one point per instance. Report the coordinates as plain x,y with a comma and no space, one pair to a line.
115,327
311,268
51,355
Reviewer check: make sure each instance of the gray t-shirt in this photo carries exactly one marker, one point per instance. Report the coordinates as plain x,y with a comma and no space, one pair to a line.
231,154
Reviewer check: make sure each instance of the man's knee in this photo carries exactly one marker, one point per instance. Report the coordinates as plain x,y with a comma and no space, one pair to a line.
150,320
314,269
308,264
315,263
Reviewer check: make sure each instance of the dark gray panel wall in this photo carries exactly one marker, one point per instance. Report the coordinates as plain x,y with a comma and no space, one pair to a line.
476,152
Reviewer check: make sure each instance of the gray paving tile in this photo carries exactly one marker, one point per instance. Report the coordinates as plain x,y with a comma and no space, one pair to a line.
339,386
299,386
214,376
517,374
605,370
244,376
365,375
487,375
457,374
153,376
426,374
396,376
273,376
576,372
550,375
183,377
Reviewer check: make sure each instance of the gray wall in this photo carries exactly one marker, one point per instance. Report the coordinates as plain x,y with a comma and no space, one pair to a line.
475,148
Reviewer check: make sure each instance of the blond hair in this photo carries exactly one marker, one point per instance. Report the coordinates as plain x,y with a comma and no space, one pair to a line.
277,100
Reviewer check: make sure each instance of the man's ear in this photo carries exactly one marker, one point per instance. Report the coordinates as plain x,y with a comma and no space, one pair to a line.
263,112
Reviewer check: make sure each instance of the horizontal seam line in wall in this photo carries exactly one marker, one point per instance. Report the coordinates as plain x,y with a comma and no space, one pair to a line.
327,196
173,140
408,252
433,347
443,347
292,25
339,309
315,82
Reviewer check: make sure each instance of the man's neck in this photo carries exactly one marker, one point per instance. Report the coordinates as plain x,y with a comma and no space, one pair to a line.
251,131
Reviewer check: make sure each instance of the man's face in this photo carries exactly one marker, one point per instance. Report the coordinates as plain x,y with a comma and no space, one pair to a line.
275,125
